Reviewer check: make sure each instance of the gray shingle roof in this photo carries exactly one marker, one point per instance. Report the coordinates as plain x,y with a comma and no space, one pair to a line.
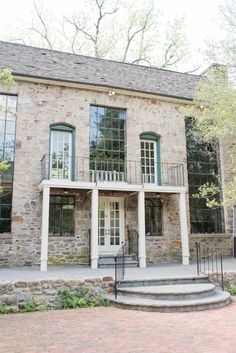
50,64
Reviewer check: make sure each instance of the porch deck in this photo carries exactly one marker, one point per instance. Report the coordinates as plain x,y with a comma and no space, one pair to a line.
168,270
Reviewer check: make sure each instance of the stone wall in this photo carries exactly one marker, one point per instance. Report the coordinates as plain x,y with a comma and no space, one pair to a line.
45,292
220,243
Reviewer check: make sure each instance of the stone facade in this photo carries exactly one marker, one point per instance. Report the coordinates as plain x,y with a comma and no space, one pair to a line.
41,105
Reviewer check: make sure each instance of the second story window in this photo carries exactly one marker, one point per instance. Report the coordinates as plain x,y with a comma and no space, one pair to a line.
7,150
62,152
107,144
150,158
203,167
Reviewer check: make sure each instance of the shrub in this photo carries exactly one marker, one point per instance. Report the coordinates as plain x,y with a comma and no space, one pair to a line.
33,305
4,309
82,298
232,290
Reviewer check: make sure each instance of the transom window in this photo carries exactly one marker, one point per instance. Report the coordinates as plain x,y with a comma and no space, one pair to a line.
153,216
107,140
61,215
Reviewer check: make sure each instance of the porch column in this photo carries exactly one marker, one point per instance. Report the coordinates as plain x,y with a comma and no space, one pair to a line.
141,229
45,225
184,228
94,229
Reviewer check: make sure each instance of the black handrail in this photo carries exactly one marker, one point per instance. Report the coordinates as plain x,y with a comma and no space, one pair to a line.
210,262
119,267
89,247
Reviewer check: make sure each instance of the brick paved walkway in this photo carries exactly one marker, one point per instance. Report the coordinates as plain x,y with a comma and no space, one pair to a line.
111,330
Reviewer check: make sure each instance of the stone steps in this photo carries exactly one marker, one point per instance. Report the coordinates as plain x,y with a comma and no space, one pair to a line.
170,292
170,295
108,261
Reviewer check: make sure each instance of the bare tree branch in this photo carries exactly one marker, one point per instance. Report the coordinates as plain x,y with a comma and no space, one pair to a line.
44,32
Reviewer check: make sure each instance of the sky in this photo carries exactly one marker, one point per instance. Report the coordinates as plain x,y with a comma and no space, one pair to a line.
200,15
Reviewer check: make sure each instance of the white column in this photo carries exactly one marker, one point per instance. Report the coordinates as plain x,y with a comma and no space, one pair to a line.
141,229
184,228
45,225
94,229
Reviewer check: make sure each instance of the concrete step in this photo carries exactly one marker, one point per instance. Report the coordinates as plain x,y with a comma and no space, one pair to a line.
170,292
218,300
112,264
163,281
109,261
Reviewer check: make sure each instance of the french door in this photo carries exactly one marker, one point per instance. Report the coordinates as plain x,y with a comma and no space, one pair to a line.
110,224
61,155
149,161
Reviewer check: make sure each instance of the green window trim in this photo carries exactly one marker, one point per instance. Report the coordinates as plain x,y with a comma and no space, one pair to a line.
66,128
153,137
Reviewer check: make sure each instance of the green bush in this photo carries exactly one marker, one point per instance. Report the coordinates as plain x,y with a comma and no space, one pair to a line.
232,290
33,305
82,298
4,309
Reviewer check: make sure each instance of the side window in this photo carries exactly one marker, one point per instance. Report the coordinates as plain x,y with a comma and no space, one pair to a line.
61,216
153,216
7,151
62,158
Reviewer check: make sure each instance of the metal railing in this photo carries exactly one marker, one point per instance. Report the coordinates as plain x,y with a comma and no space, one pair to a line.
210,263
111,171
119,267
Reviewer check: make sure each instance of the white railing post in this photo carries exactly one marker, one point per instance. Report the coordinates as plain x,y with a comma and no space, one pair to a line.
94,229
45,226
184,228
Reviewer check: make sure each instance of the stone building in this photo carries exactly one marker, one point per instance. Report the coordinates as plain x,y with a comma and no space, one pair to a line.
98,155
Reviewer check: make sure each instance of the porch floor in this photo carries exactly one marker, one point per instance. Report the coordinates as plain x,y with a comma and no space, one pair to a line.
168,270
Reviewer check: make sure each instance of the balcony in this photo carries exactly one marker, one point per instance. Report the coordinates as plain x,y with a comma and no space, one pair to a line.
59,167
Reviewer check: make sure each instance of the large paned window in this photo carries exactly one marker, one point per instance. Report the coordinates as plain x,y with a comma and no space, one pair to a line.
62,152
7,149
203,167
153,216
61,215
107,141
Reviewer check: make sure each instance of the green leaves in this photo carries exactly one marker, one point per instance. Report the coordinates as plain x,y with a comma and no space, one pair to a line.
6,77
82,298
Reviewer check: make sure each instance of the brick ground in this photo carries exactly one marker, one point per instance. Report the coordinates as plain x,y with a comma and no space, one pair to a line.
111,330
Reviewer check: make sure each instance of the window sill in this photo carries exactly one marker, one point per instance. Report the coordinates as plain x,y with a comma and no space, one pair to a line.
155,236
211,235
61,238
5,236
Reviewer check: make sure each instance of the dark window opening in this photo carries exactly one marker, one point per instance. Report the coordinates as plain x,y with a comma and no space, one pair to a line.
153,216
7,150
203,167
61,216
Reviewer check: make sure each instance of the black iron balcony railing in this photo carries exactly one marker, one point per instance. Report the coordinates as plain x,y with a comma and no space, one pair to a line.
111,171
